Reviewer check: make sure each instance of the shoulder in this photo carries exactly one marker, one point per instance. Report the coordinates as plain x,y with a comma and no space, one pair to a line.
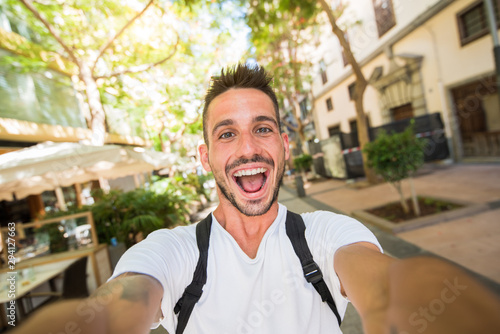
180,238
327,219
162,252
181,234
330,227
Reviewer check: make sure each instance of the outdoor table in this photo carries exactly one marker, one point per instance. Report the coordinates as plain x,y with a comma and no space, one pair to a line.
99,271
38,275
50,266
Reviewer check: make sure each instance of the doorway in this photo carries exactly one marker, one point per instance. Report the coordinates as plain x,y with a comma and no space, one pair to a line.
404,111
478,116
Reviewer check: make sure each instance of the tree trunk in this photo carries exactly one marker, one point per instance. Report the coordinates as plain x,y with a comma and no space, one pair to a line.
97,122
299,129
402,199
360,88
416,206
363,137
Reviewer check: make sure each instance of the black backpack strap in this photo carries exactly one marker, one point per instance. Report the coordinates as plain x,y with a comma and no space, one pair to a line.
193,291
295,229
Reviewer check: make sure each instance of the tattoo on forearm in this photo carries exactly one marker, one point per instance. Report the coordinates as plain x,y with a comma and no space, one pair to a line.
135,294
125,289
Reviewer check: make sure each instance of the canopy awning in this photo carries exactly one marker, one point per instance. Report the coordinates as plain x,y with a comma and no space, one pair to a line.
49,165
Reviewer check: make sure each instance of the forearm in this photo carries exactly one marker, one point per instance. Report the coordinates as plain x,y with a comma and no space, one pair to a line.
427,295
86,316
127,305
65,317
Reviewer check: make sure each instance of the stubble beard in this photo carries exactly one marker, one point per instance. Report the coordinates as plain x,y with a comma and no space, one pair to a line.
252,208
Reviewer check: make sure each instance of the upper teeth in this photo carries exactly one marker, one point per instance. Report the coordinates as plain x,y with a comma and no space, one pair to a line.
249,172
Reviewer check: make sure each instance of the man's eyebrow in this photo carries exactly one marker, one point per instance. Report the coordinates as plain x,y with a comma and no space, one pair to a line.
222,123
263,118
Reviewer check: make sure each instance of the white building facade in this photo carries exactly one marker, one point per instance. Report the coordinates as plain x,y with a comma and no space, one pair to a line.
420,57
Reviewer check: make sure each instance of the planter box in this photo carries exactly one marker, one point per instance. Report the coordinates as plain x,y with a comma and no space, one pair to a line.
469,209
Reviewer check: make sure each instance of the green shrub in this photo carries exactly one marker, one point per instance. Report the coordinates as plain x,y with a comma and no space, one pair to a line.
396,156
303,162
125,215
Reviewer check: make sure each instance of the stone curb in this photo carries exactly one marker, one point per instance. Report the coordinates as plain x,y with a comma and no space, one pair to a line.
386,225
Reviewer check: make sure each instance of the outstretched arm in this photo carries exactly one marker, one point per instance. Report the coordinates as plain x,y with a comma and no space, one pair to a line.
416,295
128,304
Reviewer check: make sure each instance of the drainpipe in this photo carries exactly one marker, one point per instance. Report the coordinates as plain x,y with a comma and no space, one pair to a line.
442,96
490,12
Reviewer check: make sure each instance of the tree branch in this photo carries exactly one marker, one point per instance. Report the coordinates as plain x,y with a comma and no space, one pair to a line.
142,68
361,81
113,38
294,128
51,30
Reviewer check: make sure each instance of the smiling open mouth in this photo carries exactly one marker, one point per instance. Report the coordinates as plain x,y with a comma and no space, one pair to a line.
251,180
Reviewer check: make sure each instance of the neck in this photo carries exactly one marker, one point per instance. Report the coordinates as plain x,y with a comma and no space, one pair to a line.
246,231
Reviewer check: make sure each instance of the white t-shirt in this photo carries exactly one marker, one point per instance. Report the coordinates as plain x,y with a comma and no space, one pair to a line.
264,295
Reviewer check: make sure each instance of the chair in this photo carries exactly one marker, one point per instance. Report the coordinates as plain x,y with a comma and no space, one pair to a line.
74,283
75,280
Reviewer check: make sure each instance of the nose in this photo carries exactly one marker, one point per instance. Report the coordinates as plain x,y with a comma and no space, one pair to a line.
248,146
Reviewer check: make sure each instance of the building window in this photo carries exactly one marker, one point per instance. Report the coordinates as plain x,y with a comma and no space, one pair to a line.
353,125
473,22
334,130
384,15
322,69
352,90
329,104
344,57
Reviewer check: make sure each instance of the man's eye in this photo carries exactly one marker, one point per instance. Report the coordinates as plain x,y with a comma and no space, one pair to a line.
264,130
226,135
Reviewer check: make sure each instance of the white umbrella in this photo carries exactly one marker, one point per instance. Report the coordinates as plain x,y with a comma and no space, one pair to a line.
49,166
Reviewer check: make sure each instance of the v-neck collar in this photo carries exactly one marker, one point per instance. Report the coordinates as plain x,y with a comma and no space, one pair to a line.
280,218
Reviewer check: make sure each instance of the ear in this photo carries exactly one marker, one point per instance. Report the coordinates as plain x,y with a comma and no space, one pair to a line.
286,145
203,151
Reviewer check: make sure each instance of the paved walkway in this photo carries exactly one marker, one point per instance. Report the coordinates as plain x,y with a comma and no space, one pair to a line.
472,242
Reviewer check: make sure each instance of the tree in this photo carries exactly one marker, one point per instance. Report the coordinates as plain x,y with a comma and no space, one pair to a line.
303,15
281,32
395,157
174,121
360,84
106,41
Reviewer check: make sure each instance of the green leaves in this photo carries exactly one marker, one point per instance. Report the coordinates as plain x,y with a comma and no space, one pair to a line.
134,51
125,215
303,162
395,156
283,35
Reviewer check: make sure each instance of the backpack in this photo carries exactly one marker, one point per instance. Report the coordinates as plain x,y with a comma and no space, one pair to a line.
295,229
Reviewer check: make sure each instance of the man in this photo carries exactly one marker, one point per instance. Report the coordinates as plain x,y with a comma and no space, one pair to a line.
255,282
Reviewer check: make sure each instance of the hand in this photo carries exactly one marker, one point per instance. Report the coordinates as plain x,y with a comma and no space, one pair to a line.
428,295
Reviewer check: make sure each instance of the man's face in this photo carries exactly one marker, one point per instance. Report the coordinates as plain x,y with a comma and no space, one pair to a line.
246,151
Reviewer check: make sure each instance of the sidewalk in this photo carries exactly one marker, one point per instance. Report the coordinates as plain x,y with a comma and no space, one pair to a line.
472,242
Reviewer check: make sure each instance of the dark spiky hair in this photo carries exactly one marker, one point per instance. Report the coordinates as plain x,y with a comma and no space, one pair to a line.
237,77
